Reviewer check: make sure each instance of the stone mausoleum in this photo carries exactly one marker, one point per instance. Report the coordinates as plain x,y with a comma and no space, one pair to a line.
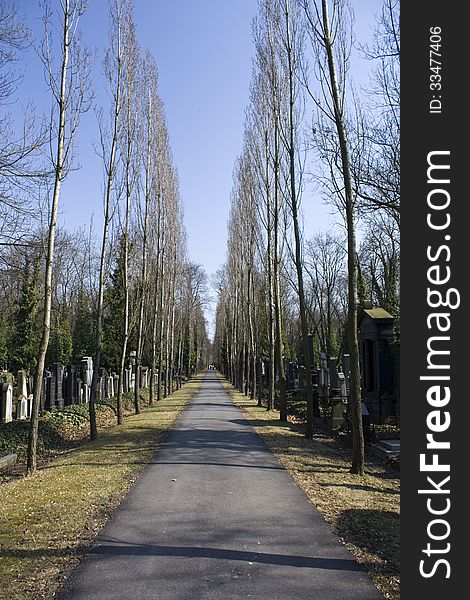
379,365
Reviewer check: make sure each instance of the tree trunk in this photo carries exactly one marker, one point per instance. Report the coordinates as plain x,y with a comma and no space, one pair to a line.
155,302
277,288
143,278
172,335
311,409
357,466
269,258
126,313
46,322
160,325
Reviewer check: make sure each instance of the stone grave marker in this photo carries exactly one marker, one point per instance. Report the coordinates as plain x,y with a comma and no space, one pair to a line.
6,403
333,373
144,375
116,383
30,404
58,374
70,386
343,391
49,386
22,399
346,367
78,390
87,370
110,386
323,380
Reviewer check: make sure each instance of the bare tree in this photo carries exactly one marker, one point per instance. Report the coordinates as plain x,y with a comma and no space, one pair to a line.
69,89
380,173
20,171
331,41
324,265
114,67
292,53
150,120
380,259
272,89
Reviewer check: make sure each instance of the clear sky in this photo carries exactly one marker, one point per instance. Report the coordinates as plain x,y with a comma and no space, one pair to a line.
203,50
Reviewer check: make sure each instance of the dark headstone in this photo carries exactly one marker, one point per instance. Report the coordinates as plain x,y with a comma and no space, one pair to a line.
333,373
58,375
70,386
49,387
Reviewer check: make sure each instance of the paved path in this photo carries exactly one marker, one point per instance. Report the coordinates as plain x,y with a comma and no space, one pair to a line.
214,516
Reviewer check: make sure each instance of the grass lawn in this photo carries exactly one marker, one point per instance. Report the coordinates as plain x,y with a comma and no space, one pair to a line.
48,519
363,511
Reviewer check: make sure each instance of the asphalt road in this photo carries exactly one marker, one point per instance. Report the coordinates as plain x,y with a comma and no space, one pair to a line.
214,516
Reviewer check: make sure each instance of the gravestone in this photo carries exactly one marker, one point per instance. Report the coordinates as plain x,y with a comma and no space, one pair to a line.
87,377
103,384
333,374
110,386
22,396
116,383
315,377
337,414
132,379
42,399
323,377
87,370
78,395
343,390
7,460
6,403
127,381
346,366
144,380
71,386
132,360
58,375
49,386
30,405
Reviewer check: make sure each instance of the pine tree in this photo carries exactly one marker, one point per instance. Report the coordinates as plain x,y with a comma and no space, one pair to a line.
114,302
25,335
60,343
83,336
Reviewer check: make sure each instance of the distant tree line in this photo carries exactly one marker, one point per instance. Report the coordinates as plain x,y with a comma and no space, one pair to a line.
68,294
306,123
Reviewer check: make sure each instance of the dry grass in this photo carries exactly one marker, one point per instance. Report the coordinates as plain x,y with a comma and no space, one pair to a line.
48,519
363,511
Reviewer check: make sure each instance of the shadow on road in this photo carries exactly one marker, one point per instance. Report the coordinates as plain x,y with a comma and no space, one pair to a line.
335,564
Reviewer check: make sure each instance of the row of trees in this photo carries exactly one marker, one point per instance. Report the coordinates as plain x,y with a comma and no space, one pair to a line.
66,295
305,123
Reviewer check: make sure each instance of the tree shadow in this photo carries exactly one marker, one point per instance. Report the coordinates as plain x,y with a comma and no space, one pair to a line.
374,531
365,488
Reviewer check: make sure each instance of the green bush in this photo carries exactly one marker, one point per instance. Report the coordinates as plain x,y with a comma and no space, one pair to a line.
55,429
14,437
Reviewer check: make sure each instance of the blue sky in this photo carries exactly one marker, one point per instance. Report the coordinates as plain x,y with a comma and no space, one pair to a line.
203,50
